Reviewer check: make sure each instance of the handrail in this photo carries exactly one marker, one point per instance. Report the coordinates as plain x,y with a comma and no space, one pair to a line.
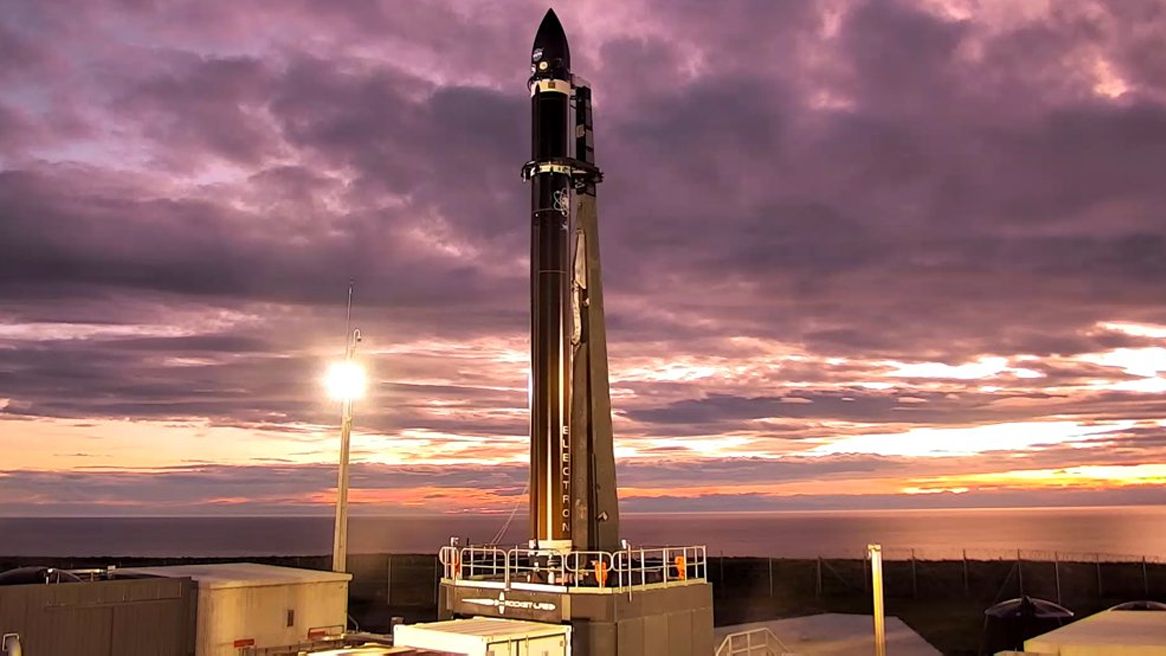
631,567
753,642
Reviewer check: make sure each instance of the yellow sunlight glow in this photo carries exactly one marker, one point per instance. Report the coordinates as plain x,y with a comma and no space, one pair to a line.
345,381
1082,476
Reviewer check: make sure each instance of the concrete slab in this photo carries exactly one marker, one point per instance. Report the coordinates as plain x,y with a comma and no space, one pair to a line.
837,634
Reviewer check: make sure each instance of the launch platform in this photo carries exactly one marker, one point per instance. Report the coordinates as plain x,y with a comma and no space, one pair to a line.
632,602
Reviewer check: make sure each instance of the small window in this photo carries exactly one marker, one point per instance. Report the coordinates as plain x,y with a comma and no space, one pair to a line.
291,617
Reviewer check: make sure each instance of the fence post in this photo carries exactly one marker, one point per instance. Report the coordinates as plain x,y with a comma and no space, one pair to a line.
818,586
967,588
866,583
1020,572
770,576
914,577
1100,589
1057,573
389,582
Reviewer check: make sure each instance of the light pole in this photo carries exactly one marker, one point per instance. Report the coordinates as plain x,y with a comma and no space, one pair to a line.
345,382
875,552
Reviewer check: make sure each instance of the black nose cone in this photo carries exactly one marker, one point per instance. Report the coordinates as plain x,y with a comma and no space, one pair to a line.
550,53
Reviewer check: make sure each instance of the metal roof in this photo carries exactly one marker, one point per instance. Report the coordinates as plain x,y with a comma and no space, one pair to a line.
490,627
1110,631
241,575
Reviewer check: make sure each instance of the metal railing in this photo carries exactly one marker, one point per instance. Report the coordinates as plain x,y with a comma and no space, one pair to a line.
632,567
754,642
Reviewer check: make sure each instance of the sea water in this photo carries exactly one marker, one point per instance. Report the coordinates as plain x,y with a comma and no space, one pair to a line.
983,533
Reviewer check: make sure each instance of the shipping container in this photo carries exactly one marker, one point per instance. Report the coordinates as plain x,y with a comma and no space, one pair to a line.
377,650
487,636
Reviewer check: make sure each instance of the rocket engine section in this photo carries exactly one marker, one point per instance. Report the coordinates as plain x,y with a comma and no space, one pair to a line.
572,467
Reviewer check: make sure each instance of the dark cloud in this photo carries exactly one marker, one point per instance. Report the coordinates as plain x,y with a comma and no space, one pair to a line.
206,107
718,413
20,54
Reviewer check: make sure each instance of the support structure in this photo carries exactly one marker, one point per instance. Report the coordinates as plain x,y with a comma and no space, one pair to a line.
348,394
340,529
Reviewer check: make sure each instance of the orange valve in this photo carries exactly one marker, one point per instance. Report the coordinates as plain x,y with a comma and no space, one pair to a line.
681,568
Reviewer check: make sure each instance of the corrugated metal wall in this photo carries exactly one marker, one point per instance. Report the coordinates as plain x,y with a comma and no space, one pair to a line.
139,617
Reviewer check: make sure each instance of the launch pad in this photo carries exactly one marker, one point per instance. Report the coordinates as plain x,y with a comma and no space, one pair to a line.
633,602
619,600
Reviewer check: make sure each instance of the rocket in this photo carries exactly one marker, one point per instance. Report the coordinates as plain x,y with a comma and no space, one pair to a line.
573,502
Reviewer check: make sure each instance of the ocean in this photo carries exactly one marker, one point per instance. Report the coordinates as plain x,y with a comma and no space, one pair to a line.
1128,532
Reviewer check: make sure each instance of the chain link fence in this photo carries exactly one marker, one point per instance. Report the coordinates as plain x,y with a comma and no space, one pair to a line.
1084,580
940,594
981,574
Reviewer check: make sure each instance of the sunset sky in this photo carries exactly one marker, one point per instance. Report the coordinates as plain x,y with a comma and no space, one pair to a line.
857,254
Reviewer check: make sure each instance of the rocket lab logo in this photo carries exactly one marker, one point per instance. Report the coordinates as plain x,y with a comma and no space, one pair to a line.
563,201
502,603
536,55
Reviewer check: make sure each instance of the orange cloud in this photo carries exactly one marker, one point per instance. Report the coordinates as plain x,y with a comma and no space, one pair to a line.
1083,476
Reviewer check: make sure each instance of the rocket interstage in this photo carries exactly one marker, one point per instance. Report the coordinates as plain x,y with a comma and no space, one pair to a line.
572,469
